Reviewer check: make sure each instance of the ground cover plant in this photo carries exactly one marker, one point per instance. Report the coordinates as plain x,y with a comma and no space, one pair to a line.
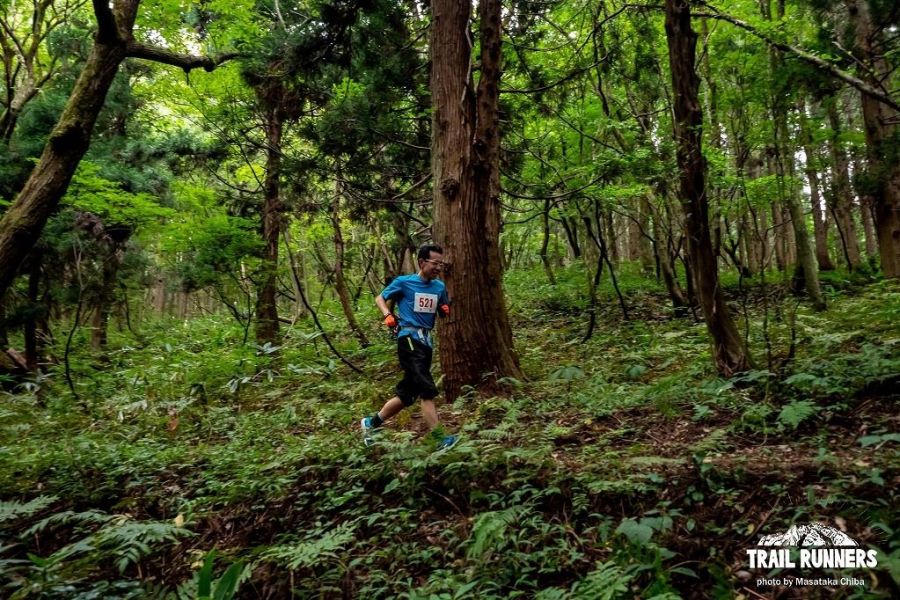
656,245
622,467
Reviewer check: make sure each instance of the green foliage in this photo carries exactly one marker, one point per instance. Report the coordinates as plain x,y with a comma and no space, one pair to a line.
606,582
213,249
100,539
585,475
320,548
16,510
223,588
796,412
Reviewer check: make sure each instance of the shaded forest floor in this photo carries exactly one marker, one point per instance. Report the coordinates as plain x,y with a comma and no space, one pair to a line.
623,467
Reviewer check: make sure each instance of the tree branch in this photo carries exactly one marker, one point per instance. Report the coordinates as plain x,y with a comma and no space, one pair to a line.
808,57
185,61
107,32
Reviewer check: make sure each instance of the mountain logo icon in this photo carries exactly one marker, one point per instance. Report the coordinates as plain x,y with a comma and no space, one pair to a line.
814,534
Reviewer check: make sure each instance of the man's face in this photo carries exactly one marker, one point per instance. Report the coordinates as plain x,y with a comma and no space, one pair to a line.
432,267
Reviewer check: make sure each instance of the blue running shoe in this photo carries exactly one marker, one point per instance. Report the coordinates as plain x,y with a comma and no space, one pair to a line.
448,442
368,431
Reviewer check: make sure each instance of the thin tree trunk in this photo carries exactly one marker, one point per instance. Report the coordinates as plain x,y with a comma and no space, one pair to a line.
815,197
477,340
868,220
545,241
842,195
296,267
103,301
30,328
340,284
643,243
570,226
665,259
729,351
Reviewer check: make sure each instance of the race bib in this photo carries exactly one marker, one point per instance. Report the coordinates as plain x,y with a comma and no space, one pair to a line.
425,303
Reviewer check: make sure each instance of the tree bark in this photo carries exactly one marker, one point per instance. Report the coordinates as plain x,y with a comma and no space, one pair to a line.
881,144
570,226
104,299
842,194
729,351
266,300
476,342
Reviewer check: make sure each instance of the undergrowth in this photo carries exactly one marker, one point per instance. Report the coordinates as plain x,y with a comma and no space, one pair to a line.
188,464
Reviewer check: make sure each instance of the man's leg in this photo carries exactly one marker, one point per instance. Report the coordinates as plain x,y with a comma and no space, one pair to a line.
390,408
430,413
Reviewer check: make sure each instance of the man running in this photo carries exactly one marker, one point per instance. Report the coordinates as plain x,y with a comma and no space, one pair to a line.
418,299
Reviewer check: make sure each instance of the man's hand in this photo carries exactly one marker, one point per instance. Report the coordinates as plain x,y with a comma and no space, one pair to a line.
390,321
445,309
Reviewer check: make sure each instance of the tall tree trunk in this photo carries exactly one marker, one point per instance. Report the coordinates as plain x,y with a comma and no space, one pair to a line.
881,144
815,197
299,268
340,283
779,231
665,258
842,195
729,351
866,208
266,300
104,299
609,223
477,339
570,226
642,244
806,271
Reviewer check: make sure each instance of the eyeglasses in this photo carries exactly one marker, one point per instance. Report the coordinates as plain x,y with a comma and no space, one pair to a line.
437,263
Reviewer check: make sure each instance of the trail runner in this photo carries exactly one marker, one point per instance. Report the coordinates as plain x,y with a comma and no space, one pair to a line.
418,298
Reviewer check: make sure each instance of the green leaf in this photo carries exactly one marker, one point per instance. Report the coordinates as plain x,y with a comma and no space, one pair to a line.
227,584
567,373
204,585
637,533
871,440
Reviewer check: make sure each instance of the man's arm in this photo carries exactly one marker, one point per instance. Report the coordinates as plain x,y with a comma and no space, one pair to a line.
389,318
382,305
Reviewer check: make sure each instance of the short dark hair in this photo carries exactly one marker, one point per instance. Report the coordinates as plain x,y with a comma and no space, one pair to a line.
426,250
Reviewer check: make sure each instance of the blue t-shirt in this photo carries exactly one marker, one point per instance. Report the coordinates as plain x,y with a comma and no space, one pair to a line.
417,303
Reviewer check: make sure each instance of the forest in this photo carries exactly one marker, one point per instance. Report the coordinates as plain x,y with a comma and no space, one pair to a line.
665,242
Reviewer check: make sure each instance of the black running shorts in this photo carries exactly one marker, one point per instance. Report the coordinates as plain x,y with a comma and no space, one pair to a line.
417,382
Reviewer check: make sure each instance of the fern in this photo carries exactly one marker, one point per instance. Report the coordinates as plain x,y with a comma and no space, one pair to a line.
119,538
606,582
129,541
796,412
489,531
68,517
16,510
312,552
